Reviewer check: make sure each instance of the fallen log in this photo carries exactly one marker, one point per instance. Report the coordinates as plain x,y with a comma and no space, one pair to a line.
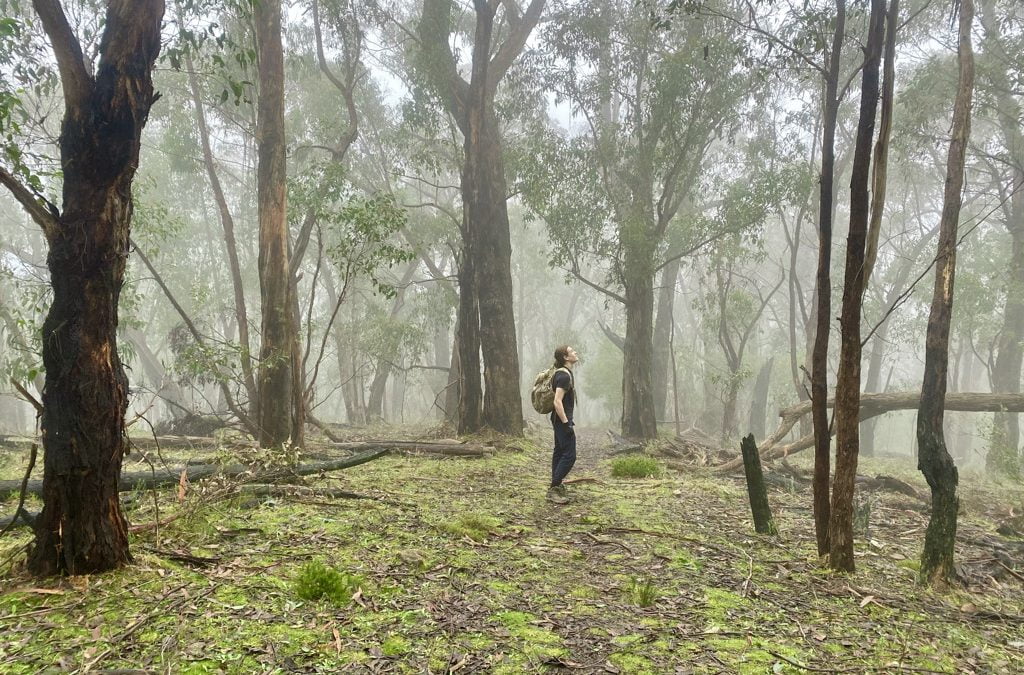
872,405
450,448
145,480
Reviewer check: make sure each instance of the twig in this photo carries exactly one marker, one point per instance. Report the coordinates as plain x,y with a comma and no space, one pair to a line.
20,511
28,397
613,542
152,470
1010,570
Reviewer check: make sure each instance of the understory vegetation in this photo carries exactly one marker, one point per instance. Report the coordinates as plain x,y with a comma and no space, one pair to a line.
457,564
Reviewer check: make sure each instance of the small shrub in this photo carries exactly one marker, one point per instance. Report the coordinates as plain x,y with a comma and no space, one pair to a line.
642,592
636,466
318,581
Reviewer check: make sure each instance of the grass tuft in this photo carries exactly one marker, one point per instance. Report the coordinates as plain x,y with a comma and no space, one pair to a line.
317,581
476,526
642,592
636,466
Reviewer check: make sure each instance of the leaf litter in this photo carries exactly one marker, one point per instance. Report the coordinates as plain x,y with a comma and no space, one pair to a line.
464,567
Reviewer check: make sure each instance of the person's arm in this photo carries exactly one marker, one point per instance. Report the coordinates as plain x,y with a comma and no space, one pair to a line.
559,408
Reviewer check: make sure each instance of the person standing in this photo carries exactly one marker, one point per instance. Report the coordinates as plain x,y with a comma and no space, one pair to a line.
564,455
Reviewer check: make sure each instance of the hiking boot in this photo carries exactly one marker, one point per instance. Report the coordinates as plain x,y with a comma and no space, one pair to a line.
556,495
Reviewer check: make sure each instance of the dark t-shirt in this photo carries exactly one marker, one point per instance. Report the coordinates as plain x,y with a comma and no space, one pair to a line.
563,380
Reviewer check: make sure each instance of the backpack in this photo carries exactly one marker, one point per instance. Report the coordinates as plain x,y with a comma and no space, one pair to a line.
543,395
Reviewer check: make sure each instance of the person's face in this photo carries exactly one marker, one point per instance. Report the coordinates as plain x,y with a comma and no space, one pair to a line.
570,355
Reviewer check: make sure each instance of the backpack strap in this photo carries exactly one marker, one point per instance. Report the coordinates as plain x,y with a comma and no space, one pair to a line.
572,379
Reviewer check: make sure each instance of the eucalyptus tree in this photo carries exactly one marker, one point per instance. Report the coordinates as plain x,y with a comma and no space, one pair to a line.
106,104
847,405
999,64
934,460
276,419
486,319
653,96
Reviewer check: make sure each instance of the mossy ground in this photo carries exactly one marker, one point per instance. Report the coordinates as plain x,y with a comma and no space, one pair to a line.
467,568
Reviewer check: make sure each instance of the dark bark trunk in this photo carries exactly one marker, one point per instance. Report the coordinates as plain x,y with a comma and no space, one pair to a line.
662,336
277,337
486,311
823,289
756,492
81,529
486,212
468,342
637,382
375,402
847,408
933,459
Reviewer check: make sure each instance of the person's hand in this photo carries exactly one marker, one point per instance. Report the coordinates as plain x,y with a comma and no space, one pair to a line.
571,425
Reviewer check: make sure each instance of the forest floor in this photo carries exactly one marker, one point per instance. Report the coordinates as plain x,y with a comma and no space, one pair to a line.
460,565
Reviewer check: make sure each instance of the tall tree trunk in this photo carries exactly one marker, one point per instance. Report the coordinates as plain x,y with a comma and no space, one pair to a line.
1003,456
732,394
878,184
662,335
277,336
933,459
375,404
759,403
847,408
486,310
486,211
452,395
230,246
823,288
467,339
81,529
637,393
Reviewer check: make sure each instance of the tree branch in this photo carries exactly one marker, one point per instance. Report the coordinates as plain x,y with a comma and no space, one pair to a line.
513,45
438,60
611,294
45,216
75,77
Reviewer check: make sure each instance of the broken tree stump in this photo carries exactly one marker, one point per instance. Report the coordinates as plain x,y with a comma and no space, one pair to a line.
763,522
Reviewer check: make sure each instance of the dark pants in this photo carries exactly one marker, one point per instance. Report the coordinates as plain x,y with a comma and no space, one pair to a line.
564,455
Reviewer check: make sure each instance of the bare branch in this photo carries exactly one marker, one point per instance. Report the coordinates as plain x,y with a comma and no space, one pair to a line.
575,271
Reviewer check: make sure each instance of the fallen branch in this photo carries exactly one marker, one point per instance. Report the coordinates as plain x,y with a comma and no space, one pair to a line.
451,448
872,405
264,490
145,480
